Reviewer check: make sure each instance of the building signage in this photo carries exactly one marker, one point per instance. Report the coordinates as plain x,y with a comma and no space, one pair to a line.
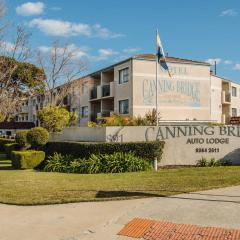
171,92
191,131
186,144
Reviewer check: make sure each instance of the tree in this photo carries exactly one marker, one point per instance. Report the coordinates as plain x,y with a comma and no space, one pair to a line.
62,65
54,118
18,78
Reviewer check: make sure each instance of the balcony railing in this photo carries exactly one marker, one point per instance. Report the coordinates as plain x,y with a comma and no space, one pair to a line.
93,93
105,90
226,97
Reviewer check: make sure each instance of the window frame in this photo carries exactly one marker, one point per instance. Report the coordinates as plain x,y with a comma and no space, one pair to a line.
119,75
119,108
82,112
235,91
234,115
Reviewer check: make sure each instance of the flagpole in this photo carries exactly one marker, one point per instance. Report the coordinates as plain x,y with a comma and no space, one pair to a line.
156,80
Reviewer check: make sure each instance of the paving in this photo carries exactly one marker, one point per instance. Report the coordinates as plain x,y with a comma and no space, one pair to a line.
103,220
160,230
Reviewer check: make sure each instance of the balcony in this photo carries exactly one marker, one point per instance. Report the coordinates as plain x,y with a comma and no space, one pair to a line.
104,114
106,90
226,97
93,93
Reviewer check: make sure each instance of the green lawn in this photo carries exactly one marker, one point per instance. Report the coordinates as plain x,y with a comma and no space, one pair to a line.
31,187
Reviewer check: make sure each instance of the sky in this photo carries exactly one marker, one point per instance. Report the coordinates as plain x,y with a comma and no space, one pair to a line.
108,31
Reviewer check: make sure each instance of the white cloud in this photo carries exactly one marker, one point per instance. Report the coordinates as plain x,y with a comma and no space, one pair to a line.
30,8
228,62
79,52
212,61
237,67
228,12
7,46
62,28
104,54
104,32
131,50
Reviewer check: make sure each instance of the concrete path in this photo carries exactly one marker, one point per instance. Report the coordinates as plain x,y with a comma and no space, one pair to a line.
103,220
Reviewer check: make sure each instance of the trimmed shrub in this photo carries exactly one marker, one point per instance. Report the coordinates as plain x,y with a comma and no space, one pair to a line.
37,137
26,159
11,147
4,141
98,163
21,138
147,150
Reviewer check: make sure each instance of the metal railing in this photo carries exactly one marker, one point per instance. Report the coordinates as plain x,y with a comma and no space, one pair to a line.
93,93
105,90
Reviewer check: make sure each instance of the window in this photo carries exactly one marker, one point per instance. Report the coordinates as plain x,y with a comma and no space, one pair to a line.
123,75
234,91
85,88
234,112
124,106
85,112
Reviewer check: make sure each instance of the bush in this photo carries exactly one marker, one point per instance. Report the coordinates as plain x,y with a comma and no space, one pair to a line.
37,137
27,159
54,119
11,147
147,150
4,141
58,163
149,119
213,163
21,138
202,162
98,163
223,162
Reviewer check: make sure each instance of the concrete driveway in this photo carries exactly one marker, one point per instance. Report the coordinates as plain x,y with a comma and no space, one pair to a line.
103,220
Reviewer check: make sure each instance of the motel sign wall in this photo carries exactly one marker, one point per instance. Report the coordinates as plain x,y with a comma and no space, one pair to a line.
184,144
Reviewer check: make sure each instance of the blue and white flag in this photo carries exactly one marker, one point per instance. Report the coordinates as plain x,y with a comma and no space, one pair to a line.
161,55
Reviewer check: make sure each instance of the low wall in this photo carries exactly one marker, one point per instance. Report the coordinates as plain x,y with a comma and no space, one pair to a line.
184,144
80,134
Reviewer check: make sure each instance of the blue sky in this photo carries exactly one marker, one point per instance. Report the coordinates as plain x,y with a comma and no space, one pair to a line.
110,30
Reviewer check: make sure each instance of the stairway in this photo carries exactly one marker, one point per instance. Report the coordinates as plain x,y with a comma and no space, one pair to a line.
5,164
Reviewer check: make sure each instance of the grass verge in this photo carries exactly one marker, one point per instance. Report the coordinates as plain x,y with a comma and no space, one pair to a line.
33,188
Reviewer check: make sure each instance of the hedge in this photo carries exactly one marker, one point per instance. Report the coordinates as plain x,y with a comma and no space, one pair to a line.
146,150
4,141
27,159
11,147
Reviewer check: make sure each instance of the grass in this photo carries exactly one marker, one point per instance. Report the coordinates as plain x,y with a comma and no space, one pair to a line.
30,187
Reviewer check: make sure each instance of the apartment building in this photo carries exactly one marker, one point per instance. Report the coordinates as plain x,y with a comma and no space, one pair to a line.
191,93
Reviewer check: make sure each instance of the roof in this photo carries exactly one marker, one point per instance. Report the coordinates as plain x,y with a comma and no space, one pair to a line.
16,125
152,57
226,80
147,56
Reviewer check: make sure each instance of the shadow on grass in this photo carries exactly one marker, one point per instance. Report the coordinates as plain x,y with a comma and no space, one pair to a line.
191,195
112,194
